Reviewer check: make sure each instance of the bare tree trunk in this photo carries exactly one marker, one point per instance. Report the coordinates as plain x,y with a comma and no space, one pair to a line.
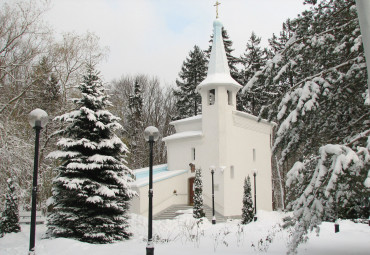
280,183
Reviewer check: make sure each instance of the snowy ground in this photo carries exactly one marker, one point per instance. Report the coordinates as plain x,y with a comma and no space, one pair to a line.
182,236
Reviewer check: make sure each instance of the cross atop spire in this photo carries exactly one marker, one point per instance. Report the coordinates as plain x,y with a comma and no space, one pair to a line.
217,4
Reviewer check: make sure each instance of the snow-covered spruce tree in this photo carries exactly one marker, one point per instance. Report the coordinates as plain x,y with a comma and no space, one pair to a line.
91,191
198,211
9,221
269,88
247,209
193,72
253,59
324,116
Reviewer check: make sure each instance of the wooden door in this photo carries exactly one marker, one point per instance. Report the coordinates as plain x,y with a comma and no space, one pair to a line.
191,191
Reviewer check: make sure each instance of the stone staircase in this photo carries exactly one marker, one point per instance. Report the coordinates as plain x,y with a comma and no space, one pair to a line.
172,211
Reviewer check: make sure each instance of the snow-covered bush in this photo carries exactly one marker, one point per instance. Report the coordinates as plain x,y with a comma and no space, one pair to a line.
9,221
198,211
247,209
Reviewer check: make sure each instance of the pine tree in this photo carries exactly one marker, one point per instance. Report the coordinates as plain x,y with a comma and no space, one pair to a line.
135,128
277,44
322,115
198,211
91,192
46,92
9,221
253,59
193,72
247,210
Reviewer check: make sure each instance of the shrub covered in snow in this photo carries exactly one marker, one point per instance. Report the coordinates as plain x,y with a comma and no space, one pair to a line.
9,221
247,209
198,211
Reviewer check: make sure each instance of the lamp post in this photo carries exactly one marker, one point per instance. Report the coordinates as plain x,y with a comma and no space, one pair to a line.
213,195
38,119
255,194
151,134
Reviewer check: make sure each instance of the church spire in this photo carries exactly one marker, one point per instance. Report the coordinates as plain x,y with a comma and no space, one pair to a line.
218,67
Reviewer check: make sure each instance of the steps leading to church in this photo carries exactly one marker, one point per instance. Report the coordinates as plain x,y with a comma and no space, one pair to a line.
171,213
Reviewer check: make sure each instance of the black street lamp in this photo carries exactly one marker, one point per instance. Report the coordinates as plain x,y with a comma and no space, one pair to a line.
151,134
38,119
213,195
255,194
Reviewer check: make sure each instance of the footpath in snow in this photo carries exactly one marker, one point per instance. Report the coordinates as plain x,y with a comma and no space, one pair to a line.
184,236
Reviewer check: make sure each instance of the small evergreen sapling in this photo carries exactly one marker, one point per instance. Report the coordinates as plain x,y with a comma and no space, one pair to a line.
198,211
10,217
247,210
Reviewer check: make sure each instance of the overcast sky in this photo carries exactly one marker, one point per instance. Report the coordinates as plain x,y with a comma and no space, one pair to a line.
155,36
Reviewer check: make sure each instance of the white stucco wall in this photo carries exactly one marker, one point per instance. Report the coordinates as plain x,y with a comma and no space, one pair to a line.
229,140
248,135
163,195
180,152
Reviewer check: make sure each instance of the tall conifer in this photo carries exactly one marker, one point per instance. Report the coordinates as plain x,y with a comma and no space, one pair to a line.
253,59
193,72
92,189
135,123
322,115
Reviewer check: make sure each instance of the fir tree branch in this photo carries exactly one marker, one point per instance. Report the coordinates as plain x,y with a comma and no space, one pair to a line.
283,51
349,62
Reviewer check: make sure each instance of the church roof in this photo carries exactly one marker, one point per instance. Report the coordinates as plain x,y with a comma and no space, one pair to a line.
254,118
189,119
218,67
182,135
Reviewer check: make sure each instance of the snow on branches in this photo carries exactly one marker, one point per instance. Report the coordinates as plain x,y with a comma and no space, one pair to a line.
318,82
91,192
336,182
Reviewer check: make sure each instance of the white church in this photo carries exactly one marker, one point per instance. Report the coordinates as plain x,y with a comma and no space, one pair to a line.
232,143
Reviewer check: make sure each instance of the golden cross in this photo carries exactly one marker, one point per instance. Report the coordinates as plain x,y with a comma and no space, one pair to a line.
217,4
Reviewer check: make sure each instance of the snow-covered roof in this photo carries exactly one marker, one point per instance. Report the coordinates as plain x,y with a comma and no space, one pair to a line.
157,176
252,117
183,135
189,124
218,67
190,119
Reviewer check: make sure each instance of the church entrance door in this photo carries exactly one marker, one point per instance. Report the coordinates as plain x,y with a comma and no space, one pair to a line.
191,191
